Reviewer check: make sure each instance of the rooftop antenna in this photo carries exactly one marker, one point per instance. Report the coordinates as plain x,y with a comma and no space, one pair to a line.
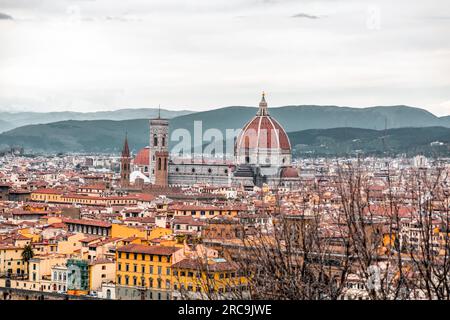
159,111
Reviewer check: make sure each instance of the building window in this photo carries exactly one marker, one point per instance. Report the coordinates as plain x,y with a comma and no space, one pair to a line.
159,163
155,140
193,170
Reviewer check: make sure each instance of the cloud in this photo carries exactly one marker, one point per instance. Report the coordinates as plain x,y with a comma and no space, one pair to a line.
201,51
305,15
4,16
439,17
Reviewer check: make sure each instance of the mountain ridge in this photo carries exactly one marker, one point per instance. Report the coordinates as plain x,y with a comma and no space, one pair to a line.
18,119
293,117
106,136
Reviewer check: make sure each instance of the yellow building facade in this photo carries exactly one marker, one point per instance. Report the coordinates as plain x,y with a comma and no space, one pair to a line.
144,272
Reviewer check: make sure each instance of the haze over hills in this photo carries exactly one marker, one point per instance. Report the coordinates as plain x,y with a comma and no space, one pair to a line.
106,136
5,126
293,118
10,120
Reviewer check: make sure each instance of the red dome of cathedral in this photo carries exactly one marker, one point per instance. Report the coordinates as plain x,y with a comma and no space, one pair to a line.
262,134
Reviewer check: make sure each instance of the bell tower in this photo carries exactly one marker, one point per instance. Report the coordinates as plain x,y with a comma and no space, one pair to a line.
125,165
159,151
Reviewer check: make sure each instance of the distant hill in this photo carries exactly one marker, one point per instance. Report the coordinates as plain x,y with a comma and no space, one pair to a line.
106,136
77,136
18,119
430,141
5,126
293,118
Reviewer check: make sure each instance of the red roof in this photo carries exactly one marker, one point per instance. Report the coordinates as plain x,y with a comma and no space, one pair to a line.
289,173
88,222
139,248
48,191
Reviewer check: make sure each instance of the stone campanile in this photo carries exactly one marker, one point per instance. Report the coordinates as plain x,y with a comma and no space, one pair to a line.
125,164
159,151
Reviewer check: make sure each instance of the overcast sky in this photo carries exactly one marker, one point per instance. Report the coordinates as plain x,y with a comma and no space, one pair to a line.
87,55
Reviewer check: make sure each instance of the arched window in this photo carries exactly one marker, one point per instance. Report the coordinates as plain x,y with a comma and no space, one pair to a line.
163,141
165,164
155,140
159,163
